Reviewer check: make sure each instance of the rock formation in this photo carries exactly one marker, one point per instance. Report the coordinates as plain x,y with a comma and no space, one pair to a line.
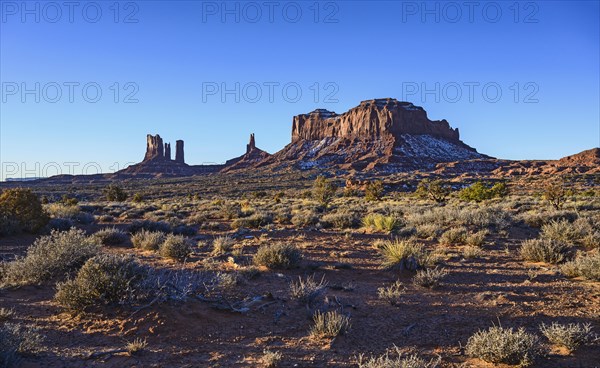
179,158
253,156
154,147
168,151
382,133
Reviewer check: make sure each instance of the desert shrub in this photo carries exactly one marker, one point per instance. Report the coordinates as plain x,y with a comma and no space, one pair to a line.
587,266
453,236
380,222
254,221
17,340
570,336
176,247
111,236
148,225
504,345
60,224
428,231
278,256
430,277
480,191
543,250
402,255
591,240
184,230
59,210
561,231
538,218
50,256
471,251
137,198
555,193
391,293
323,190
68,200
271,359
340,220
374,190
305,218
399,361
222,245
329,324
85,218
147,240
103,279
115,193
21,210
230,210
307,290
434,190
476,239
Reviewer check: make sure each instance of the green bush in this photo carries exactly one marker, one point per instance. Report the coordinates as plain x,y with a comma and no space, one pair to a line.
323,190
434,190
51,256
374,190
103,279
115,193
504,345
21,210
380,222
277,256
176,247
480,191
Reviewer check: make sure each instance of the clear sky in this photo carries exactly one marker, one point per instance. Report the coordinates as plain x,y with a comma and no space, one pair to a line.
519,79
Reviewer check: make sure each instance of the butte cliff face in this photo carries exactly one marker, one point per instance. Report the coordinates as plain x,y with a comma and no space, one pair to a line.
382,133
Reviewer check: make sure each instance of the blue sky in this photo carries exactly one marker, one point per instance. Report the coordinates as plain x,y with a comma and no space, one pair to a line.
176,59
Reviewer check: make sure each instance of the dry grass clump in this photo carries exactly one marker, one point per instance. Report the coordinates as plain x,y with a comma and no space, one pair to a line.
50,256
543,250
307,290
584,265
271,359
570,336
136,346
6,314
175,247
104,279
430,277
111,236
277,256
222,245
504,345
399,361
329,324
391,293
402,255
17,340
148,240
